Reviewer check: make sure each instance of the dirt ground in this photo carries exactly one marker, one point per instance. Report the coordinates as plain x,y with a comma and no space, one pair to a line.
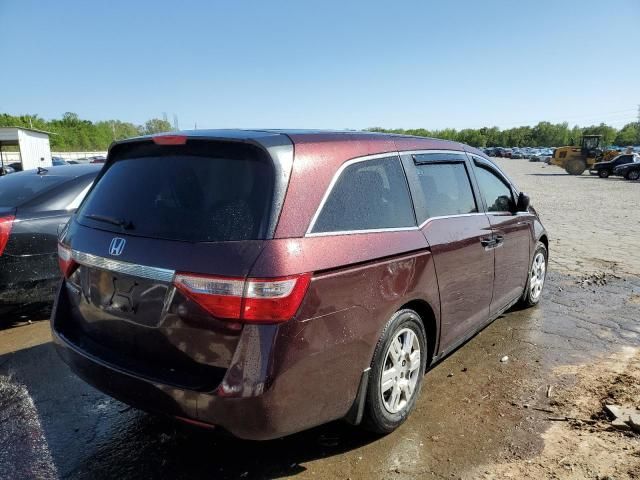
537,415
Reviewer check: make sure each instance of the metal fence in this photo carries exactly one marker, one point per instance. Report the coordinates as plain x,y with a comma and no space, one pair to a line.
11,157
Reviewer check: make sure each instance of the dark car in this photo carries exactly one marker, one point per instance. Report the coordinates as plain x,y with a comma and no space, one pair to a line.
278,280
517,154
604,169
33,204
58,161
630,171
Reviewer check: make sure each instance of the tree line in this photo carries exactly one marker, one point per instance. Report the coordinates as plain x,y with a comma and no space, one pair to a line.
75,134
544,134
71,133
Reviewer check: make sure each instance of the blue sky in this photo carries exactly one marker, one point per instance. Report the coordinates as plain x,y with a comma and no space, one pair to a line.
329,64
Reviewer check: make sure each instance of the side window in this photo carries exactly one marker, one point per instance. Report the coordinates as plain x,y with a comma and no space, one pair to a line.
446,189
371,194
496,193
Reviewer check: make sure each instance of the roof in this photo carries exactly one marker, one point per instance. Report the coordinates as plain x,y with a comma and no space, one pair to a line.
27,130
297,136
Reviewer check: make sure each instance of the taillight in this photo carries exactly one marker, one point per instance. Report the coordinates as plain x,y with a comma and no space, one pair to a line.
169,139
65,260
256,300
5,229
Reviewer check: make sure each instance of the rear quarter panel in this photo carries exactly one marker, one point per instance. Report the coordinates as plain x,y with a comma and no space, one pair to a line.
361,281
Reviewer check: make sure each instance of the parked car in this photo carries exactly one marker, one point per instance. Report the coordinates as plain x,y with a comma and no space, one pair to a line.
58,161
515,153
33,204
604,169
490,151
277,280
6,170
540,156
98,159
630,171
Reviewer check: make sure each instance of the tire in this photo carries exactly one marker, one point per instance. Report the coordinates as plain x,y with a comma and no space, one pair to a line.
387,407
575,167
532,293
603,173
633,175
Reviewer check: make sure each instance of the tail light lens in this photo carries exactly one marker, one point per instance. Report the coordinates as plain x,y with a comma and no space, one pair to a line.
6,223
169,139
255,300
65,260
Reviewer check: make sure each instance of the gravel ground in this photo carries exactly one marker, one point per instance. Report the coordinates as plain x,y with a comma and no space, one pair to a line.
477,417
594,223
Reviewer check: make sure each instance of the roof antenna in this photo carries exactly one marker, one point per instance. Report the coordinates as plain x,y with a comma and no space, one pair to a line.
42,170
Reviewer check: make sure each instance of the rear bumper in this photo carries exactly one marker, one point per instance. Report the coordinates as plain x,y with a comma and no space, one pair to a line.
28,293
273,387
27,279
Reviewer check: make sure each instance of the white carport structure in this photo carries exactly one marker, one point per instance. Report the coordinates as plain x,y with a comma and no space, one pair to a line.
33,146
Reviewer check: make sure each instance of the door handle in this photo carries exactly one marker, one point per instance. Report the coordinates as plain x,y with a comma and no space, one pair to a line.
499,239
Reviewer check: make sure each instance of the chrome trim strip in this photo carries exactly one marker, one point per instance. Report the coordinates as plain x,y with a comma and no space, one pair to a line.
430,219
126,268
335,178
399,229
356,232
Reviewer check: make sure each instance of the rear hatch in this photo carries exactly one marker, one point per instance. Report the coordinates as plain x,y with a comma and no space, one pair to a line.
194,207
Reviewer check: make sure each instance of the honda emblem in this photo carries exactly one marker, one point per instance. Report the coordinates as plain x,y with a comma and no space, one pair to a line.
117,246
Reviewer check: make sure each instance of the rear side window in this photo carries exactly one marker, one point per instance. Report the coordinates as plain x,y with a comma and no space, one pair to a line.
195,193
446,189
19,188
368,195
496,193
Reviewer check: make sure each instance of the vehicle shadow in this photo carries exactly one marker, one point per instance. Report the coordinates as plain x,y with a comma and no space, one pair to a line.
596,177
90,435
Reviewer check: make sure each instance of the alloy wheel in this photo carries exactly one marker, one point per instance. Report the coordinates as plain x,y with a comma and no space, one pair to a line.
401,370
537,275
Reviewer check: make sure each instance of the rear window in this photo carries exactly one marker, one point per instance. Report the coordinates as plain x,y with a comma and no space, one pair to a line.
18,188
200,192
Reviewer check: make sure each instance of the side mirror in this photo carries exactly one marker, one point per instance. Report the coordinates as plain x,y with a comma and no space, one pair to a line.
523,202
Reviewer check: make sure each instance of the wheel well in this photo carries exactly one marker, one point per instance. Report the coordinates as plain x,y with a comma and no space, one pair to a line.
425,311
545,240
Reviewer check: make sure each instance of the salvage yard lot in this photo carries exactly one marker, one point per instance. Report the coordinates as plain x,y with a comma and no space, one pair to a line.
477,417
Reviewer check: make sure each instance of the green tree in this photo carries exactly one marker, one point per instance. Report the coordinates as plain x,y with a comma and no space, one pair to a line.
156,125
608,133
628,135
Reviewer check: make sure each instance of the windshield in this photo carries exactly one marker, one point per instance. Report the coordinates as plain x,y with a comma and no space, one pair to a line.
184,197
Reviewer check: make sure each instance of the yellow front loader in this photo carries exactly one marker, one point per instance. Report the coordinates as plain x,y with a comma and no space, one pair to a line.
575,160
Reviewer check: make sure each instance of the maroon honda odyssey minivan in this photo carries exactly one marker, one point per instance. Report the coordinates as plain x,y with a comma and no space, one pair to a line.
269,281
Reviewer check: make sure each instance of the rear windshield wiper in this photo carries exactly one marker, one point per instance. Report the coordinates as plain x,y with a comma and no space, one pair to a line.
125,224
